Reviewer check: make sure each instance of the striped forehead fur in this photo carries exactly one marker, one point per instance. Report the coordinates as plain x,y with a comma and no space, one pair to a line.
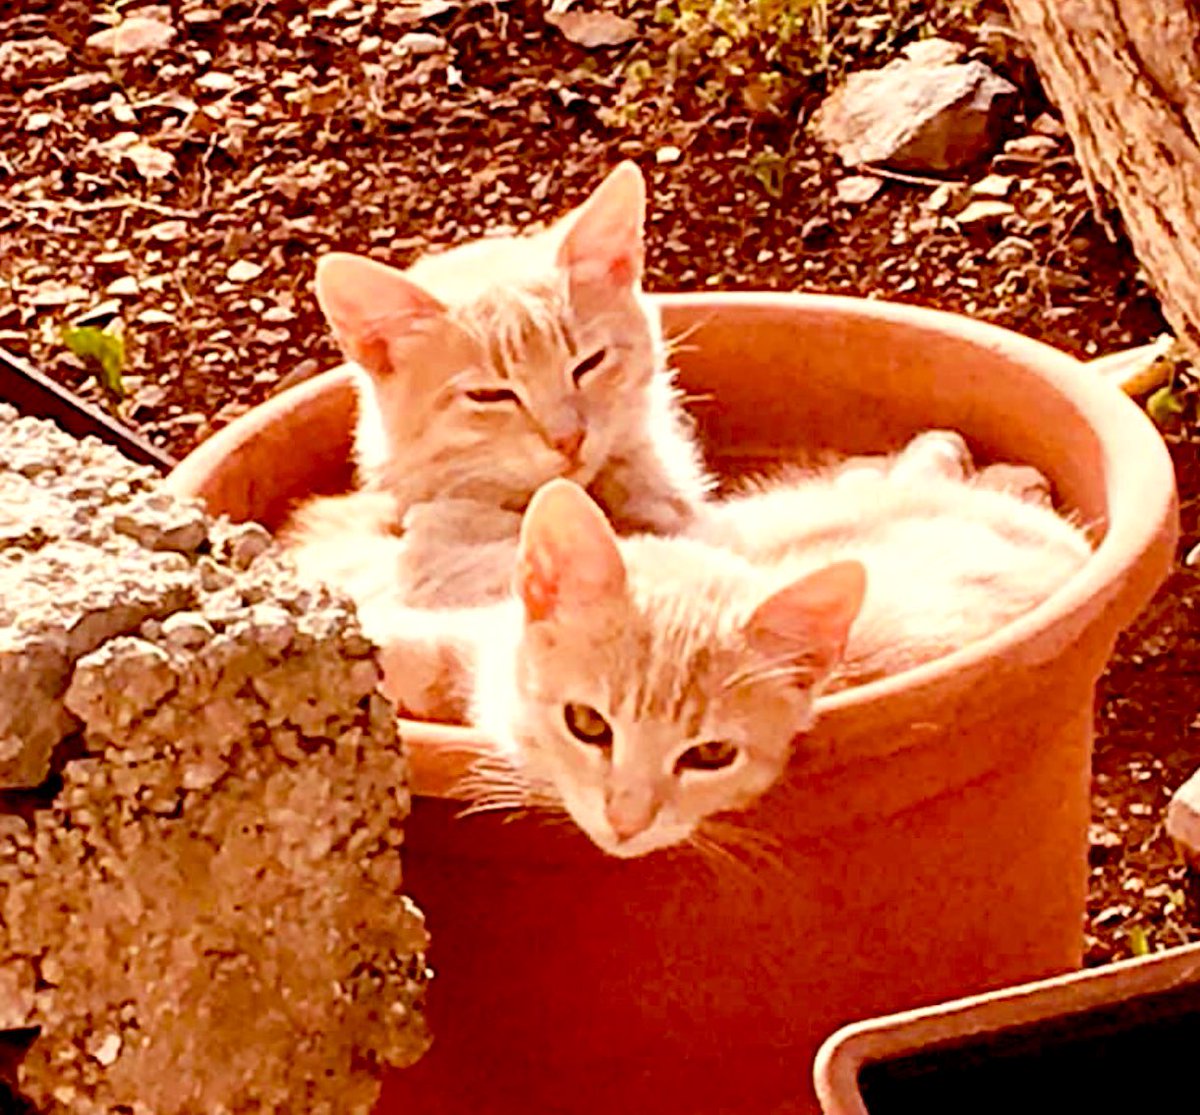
518,322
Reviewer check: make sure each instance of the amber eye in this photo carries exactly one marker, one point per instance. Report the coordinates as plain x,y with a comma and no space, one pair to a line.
486,396
587,725
590,364
713,755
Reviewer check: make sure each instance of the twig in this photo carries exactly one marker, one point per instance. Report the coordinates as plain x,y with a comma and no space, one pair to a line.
910,179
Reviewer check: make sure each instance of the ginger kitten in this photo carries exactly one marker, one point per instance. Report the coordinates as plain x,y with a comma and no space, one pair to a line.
495,366
647,684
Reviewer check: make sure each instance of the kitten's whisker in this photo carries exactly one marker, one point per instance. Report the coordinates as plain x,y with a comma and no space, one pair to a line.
782,667
763,851
675,341
719,857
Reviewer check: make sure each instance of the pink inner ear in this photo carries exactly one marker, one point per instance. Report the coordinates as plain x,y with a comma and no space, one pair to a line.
605,237
809,620
369,304
568,560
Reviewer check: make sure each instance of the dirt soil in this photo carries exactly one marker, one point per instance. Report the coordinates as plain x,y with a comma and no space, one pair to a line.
182,196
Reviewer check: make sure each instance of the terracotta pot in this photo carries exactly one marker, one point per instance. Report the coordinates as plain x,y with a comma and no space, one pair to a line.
933,827
1090,1040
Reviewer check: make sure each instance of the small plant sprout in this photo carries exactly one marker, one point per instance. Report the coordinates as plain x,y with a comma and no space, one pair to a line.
101,349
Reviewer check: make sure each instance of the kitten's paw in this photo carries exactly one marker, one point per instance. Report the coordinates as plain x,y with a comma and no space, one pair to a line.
1023,481
942,453
423,682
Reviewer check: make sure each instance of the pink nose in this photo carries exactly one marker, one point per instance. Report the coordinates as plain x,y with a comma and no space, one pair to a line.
569,444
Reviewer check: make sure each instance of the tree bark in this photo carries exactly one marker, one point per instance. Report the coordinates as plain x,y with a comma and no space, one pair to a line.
1126,76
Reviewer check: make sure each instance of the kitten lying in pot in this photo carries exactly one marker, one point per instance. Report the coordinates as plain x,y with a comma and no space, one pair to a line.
645,684
485,371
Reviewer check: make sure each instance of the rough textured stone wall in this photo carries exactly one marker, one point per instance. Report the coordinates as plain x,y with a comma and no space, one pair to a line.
207,915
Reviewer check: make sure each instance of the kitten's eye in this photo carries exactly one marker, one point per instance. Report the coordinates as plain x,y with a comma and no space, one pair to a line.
590,364
491,395
713,755
587,725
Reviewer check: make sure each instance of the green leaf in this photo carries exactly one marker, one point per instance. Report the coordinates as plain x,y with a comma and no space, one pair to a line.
1164,405
103,349
1139,943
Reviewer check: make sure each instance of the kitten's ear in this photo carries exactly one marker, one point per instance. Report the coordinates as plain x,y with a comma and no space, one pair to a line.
369,304
807,623
567,561
605,241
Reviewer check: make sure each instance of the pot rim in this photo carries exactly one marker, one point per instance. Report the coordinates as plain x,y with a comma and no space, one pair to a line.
845,1052
1114,584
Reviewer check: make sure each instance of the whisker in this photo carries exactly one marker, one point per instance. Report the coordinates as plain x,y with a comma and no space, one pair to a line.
763,851
718,857
675,342
782,668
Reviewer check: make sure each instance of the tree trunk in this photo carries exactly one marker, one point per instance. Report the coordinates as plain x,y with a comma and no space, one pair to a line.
1125,75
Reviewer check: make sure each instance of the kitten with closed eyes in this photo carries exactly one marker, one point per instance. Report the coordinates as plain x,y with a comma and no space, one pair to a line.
483,372
646,684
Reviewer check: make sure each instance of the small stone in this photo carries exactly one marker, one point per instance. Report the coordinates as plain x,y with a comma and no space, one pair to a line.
216,82
997,186
1112,915
187,630
106,1050
932,52
1037,146
667,154
243,271
249,541
1047,125
1103,845
858,189
124,287
985,213
134,35
941,197
816,230
38,121
592,29
420,42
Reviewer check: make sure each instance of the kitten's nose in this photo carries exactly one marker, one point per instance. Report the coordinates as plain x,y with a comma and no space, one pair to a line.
569,442
628,816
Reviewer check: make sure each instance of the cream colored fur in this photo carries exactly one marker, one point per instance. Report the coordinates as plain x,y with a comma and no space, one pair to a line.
723,638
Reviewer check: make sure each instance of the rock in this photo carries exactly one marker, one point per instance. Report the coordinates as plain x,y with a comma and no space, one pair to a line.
592,29
1035,146
916,116
421,42
858,189
22,59
1183,819
932,52
124,287
982,214
816,231
942,197
134,35
243,271
229,825
997,186
1048,125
